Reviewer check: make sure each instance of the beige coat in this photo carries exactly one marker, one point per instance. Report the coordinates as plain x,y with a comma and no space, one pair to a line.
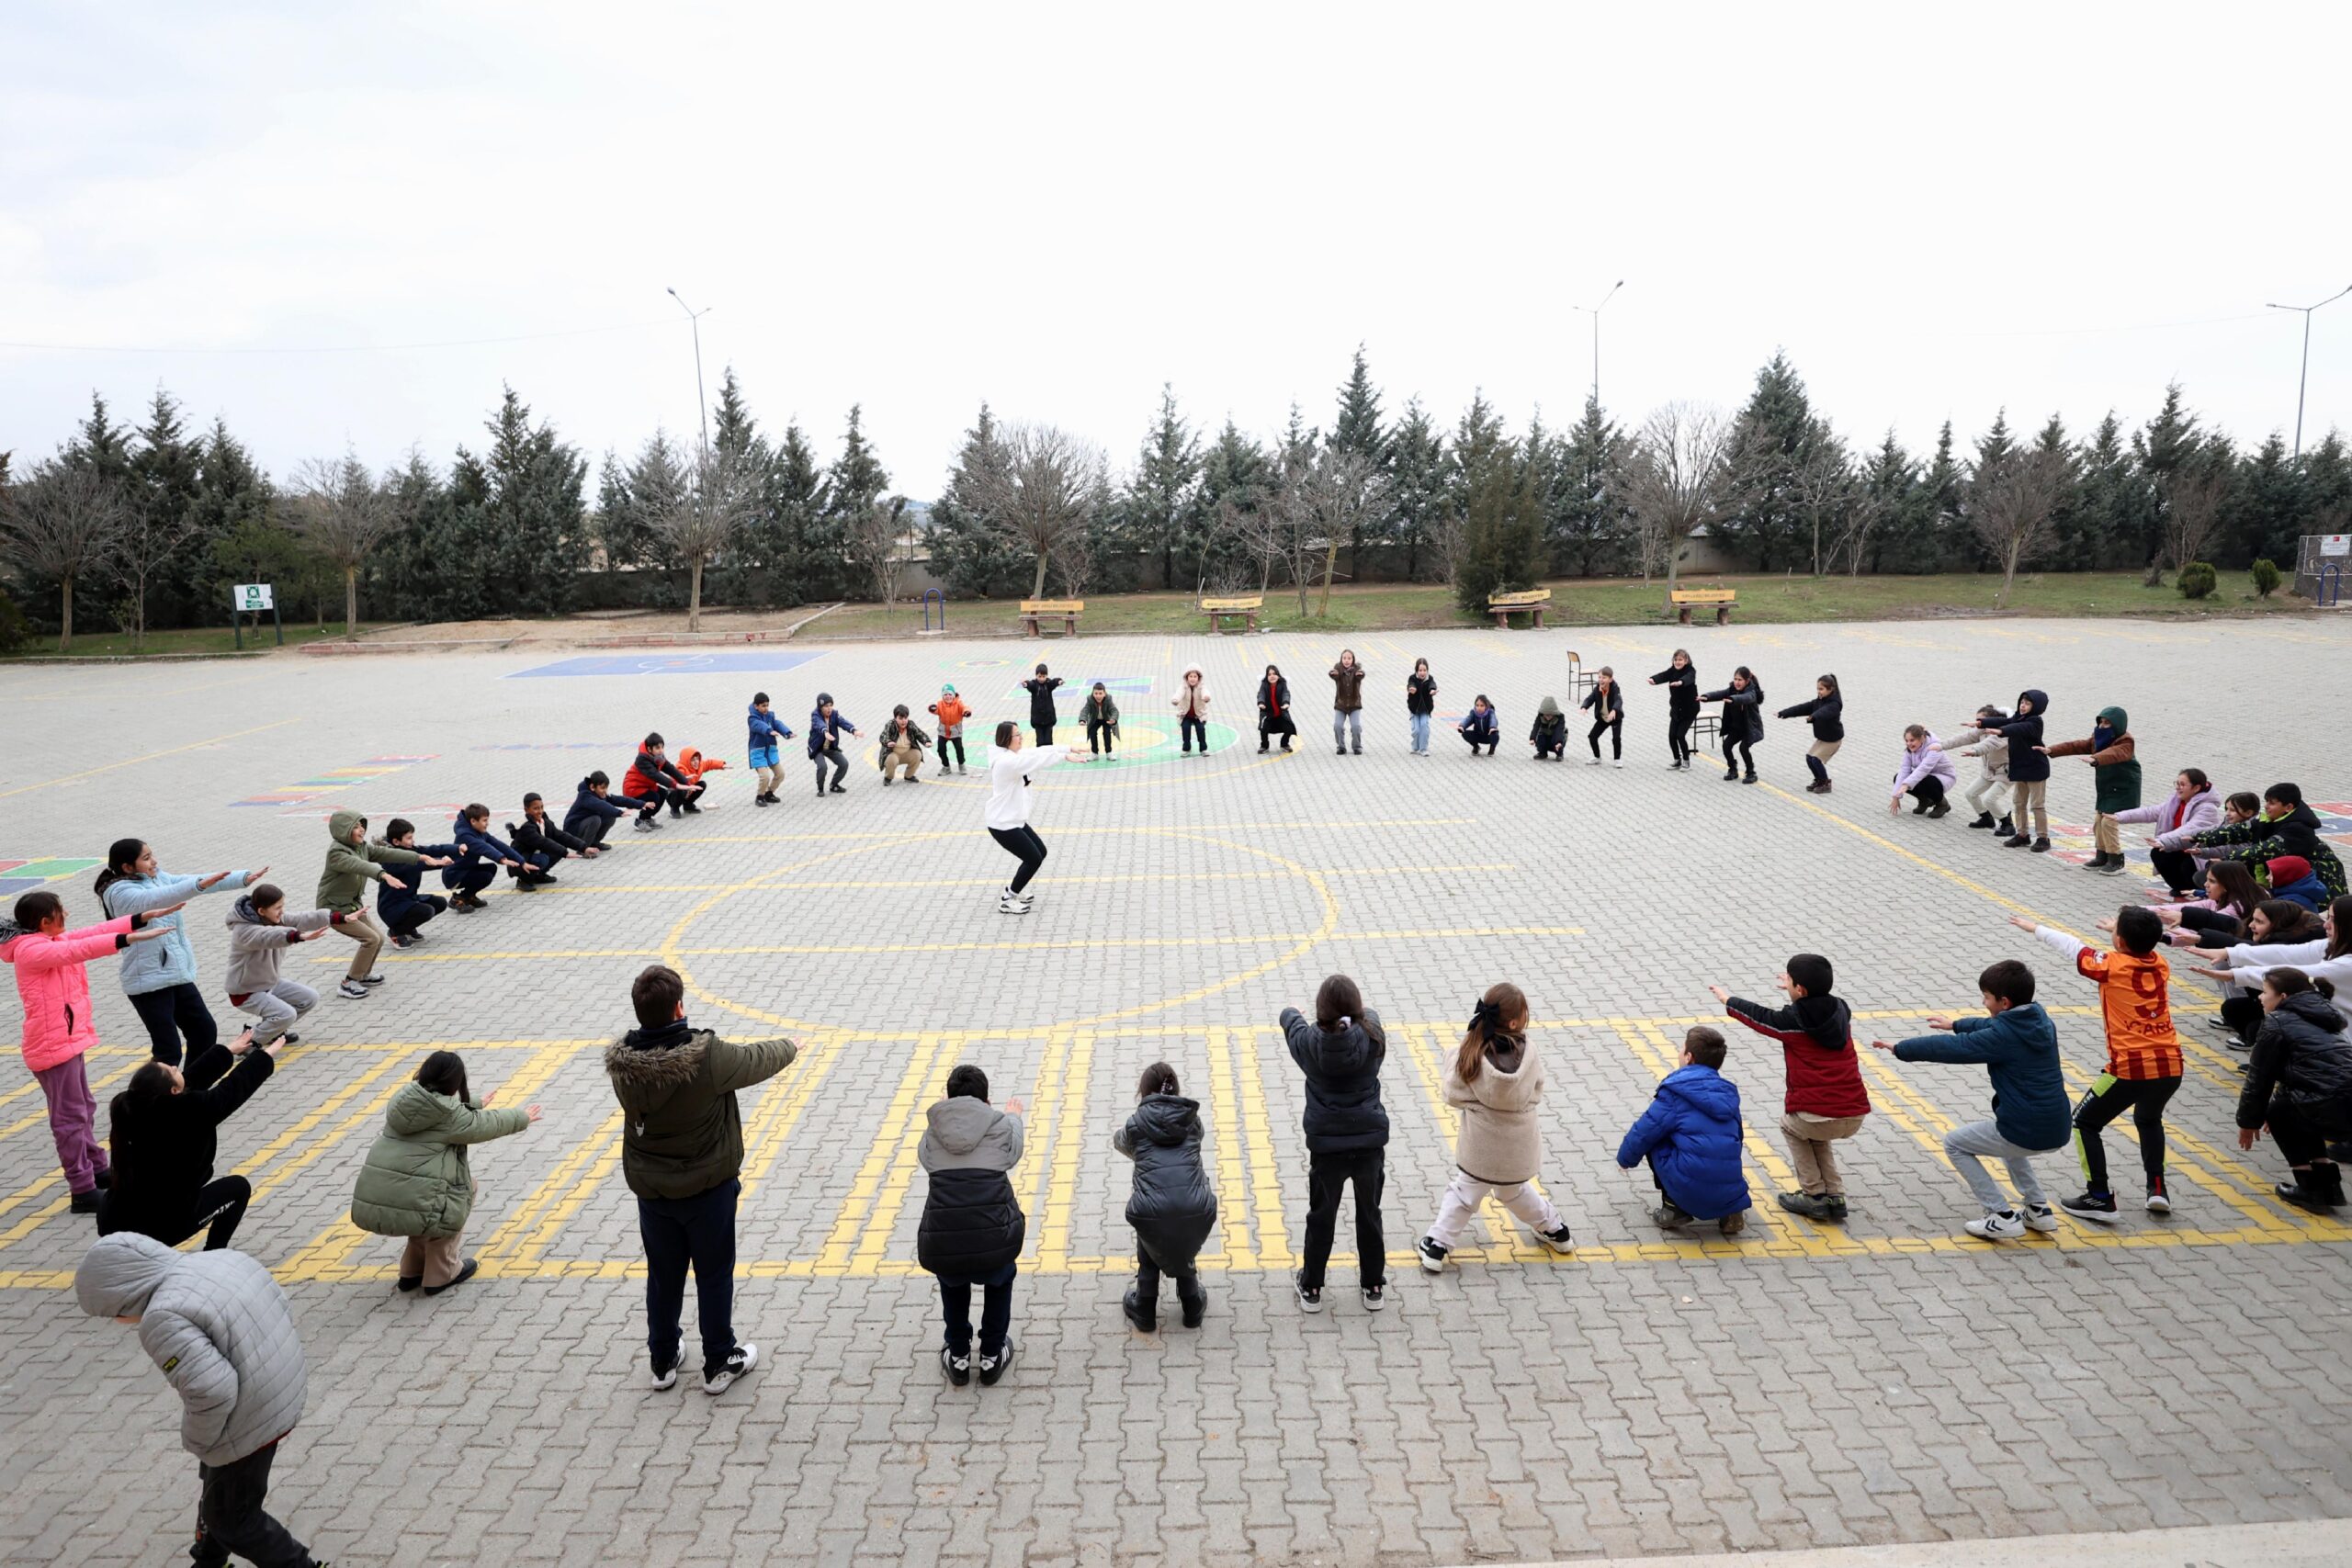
1199,694
1500,1140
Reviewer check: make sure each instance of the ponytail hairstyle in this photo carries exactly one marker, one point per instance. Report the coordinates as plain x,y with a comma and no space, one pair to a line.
2239,894
444,1072
1158,1079
121,855
130,1117
2197,779
1914,732
1338,1003
2339,915
2244,802
1828,681
1742,673
1500,1013
1004,732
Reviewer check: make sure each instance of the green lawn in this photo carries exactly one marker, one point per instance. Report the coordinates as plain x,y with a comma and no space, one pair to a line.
1612,601
95,644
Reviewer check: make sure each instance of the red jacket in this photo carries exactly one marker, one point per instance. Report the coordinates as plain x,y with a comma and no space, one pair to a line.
1817,1040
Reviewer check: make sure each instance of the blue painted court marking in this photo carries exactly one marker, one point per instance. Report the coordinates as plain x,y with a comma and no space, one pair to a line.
749,661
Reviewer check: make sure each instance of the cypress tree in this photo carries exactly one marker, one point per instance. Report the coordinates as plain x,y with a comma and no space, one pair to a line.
1160,508
967,550
1592,525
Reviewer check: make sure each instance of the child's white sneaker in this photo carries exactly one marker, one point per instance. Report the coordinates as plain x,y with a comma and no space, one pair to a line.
2039,1219
1558,1240
1433,1256
2006,1225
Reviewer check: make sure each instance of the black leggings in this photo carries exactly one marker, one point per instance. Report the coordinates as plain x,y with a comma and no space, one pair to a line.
2111,1097
216,1209
1023,842
423,908
1677,735
1929,791
1191,724
1737,752
1616,730
945,743
173,1014
2177,867
841,767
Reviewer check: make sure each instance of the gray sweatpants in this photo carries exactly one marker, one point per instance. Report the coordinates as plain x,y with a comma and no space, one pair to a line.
1967,1144
278,1007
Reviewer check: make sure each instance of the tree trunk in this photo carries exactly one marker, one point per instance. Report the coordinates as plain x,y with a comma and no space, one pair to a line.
1331,562
351,603
2008,573
1038,588
65,615
693,600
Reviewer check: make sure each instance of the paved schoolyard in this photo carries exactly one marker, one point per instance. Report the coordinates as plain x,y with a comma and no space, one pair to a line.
1803,1386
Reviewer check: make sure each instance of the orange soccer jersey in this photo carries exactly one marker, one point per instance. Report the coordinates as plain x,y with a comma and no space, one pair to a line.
2134,995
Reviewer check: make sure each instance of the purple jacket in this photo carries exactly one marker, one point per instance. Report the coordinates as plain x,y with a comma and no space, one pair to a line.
1928,762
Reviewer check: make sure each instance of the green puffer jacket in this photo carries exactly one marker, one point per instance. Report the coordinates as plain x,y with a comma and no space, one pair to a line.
416,1181
351,867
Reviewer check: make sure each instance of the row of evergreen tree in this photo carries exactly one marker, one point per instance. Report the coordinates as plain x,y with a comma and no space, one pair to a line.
509,527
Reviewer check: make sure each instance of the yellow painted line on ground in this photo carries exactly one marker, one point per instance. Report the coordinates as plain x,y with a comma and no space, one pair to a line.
916,835
1037,1133
552,1222
1265,1175
149,757
899,1176
303,1124
1224,1139
1070,1149
898,1127
780,1109
310,1152
511,1230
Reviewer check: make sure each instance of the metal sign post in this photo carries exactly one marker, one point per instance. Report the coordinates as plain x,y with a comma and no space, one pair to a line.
253,598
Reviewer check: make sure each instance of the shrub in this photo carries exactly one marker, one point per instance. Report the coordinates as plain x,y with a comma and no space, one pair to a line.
2265,578
14,632
2197,580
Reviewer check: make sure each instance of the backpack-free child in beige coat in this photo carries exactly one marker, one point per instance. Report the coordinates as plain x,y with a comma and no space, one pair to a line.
1496,1080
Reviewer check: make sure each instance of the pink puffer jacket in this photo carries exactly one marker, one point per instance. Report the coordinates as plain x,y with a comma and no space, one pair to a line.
55,988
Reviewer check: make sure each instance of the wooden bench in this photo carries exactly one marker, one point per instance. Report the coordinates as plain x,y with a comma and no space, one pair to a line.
1722,598
1528,601
1065,611
1220,610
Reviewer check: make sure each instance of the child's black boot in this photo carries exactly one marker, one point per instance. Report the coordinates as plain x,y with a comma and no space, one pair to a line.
1983,820
1144,1314
1194,1299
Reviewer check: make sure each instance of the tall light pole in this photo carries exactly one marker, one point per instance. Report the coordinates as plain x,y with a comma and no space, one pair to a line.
693,320
1594,311
2303,378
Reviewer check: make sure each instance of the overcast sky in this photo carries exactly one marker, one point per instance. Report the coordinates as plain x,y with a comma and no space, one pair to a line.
1935,211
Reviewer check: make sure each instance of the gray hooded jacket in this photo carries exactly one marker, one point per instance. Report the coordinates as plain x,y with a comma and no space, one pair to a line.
218,1326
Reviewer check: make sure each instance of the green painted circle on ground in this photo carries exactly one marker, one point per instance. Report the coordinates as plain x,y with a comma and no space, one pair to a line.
1149,739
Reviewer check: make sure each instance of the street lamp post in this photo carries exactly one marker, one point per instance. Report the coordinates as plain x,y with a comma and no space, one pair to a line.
693,320
2303,378
1594,311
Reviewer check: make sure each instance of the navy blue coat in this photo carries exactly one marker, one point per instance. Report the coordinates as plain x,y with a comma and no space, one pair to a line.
1343,1068
588,806
2023,734
2019,1050
1690,1134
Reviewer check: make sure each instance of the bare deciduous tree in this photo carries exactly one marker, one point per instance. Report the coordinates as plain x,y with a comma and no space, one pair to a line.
1346,491
1822,491
340,510
875,544
1863,513
2010,508
1255,531
2193,498
1678,482
1047,491
699,524
66,521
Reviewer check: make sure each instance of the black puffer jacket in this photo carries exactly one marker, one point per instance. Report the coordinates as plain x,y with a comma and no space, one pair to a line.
2027,763
163,1150
972,1224
1342,1067
2303,1058
1743,717
1173,1206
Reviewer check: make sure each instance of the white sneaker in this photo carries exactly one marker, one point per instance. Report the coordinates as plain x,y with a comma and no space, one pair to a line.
742,1361
353,989
667,1377
1620,761
1592,762
2007,1225
1009,905
2039,1218
2159,1205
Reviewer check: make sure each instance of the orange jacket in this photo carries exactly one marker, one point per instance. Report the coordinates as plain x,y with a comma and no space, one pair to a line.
952,713
694,765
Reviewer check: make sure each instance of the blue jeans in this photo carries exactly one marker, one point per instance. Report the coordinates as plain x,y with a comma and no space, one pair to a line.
995,1310
696,1232
1348,719
1421,732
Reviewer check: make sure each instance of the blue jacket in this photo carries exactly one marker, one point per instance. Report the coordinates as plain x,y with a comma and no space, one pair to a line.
2019,1050
391,902
1690,1134
1481,727
168,961
473,845
826,733
767,728
586,807
2307,890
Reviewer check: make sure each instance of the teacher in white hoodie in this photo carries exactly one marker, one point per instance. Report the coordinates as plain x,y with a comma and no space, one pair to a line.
1010,772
